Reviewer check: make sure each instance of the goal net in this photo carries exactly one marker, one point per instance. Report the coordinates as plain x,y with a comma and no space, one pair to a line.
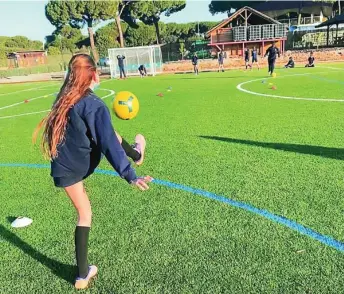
149,56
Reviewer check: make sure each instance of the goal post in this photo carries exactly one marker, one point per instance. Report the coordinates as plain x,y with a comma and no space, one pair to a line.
149,56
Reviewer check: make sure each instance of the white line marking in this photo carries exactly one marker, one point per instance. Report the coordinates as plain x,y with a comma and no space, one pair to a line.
44,96
24,114
28,100
42,111
108,95
26,90
239,87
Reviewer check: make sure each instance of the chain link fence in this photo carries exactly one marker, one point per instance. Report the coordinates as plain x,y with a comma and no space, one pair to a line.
315,39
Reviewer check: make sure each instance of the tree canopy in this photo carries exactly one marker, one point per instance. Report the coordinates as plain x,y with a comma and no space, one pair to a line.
79,14
65,39
216,6
149,12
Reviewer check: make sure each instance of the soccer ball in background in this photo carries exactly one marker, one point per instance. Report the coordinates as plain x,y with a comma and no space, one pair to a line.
274,75
126,105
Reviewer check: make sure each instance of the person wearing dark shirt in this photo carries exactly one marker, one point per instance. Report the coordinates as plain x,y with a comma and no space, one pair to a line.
120,59
311,60
290,63
220,60
76,134
247,58
194,61
272,52
142,70
255,57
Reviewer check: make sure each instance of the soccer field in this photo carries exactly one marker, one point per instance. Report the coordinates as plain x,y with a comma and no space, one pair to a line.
247,196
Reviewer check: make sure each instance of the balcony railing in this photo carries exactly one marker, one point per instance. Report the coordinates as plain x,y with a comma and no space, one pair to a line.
304,21
250,33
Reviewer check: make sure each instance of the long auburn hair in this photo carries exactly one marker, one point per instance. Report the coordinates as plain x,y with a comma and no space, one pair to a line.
81,71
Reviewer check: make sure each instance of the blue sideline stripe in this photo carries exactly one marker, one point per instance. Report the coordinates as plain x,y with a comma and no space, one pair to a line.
327,240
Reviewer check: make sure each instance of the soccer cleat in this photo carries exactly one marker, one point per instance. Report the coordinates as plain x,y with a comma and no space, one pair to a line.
140,146
82,283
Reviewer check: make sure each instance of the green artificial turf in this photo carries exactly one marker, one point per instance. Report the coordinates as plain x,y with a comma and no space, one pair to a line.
282,155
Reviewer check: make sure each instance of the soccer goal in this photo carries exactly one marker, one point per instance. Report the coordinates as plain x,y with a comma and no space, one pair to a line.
149,56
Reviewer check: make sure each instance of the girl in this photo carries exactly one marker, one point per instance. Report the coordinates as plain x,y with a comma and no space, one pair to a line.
77,132
255,57
220,61
247,58
194,61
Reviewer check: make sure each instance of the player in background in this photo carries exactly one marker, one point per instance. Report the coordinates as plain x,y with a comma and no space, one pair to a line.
272,52
120,59
255,57
311,60
247,58
220,60
194,61
291,63
143,71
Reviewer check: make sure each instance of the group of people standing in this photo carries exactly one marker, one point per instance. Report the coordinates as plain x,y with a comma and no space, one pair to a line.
251,57
220,58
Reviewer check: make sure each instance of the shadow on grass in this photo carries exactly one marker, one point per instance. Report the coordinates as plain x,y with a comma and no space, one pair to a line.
11,219
64,271
327,152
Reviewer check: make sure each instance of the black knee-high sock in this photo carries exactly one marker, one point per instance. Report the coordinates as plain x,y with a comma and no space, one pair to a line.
130,151
81,246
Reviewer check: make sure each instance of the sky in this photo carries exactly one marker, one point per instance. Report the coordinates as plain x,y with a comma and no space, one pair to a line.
27,18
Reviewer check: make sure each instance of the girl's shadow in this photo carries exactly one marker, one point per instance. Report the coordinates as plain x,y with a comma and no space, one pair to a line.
66,272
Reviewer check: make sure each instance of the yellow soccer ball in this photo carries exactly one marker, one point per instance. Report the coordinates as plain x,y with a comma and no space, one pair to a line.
274,75
126,105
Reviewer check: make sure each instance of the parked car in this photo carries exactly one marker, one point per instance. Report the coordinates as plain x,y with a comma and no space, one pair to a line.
104,61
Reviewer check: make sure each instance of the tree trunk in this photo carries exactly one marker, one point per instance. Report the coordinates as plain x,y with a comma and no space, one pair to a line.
93,47
157,30
119,28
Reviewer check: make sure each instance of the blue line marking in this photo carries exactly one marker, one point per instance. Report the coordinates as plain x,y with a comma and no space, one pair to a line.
326,80
327,240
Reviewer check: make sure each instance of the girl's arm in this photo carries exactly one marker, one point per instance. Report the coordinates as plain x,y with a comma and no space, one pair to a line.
102,132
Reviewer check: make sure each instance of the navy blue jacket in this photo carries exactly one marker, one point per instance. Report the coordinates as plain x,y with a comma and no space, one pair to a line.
120,59
272,53
89,134
247,54
194,60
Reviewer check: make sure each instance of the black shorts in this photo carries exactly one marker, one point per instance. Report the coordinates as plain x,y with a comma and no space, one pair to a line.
254,59
220,62
247,60
63,182
71,179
